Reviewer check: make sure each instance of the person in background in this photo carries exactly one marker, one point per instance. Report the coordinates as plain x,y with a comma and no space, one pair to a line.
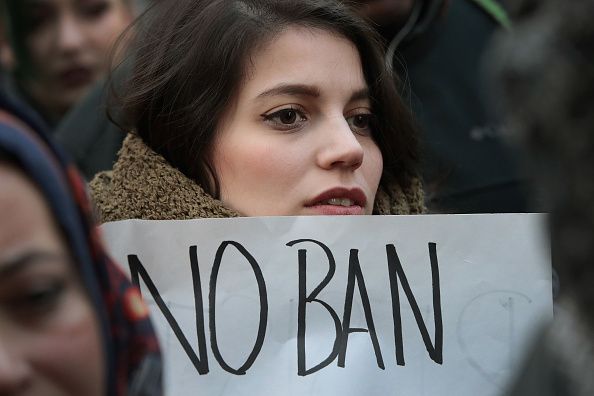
61,49
70,321
255,108
543,82
437,45
88,135
96,149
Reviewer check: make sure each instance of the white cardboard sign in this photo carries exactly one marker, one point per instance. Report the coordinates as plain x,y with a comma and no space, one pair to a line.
355,305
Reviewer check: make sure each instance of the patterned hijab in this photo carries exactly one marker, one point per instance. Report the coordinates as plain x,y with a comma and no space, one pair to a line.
133,360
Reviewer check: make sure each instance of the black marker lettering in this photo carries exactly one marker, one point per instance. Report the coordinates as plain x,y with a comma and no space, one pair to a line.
396,273
355,275
304,299
263,308
137,269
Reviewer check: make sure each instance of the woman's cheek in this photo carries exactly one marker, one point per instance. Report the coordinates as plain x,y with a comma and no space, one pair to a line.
73,335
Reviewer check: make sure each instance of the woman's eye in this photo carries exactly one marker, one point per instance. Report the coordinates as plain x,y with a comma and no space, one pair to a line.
95,9
287,116
286,119
40,298
361,123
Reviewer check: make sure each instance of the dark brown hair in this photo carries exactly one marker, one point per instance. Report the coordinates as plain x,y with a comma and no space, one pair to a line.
189,58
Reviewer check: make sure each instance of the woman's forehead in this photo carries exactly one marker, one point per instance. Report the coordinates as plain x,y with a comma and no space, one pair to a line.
25,217
301,56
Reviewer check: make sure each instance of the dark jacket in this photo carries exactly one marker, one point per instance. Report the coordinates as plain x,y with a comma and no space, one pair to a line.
468,168
88,135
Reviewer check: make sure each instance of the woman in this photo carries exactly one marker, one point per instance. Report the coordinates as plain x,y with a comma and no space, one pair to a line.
259,107
62,49
70,322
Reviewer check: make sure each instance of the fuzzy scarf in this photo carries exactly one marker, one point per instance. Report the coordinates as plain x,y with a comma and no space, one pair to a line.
143,185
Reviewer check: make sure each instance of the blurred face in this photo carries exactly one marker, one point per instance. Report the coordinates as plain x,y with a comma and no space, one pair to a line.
298,140
68,44
49,337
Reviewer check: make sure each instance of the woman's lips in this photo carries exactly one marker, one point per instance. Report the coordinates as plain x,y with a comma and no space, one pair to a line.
75,77
338,201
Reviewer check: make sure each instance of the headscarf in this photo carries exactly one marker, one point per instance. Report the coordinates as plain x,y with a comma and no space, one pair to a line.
133,361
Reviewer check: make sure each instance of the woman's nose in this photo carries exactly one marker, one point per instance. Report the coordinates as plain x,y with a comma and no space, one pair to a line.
340,147
14,374
70,34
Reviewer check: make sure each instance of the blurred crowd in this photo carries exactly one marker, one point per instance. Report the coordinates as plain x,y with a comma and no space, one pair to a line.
499,92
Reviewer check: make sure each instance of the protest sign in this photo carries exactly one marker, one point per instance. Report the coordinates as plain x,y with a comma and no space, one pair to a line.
374,305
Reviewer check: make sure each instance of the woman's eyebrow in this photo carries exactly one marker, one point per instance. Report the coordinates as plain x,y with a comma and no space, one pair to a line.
10,266
361,94
291,90
308,90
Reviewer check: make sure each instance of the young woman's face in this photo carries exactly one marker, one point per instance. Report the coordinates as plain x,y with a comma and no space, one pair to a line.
68,44
297,140
49,336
